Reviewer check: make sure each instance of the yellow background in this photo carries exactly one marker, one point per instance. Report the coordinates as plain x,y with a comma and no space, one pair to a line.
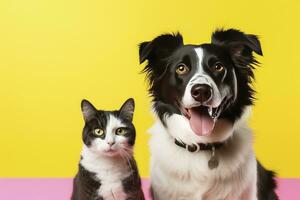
54,53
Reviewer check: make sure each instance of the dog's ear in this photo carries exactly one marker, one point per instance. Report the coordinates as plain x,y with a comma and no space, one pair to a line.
159,48
144,50
156,52
240,44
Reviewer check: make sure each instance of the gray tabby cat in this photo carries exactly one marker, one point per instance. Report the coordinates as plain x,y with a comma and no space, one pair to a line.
107,169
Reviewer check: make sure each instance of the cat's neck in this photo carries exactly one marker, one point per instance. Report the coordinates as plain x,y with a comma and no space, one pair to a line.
97,162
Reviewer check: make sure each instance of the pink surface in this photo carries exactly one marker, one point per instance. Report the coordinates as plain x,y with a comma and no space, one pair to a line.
61,188
289,189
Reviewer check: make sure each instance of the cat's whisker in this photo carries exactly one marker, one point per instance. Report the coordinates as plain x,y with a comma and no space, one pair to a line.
129,150
127,156
126,147
123,157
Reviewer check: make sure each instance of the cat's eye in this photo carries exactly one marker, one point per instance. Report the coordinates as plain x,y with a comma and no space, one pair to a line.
121,131
219,67
182,69
98,132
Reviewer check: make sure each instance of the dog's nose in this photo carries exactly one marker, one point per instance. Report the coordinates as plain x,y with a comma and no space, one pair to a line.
201,92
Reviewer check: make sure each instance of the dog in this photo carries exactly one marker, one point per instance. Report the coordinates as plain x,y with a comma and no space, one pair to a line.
201,146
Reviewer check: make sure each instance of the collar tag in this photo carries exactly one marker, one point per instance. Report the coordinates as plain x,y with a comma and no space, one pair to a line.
213,161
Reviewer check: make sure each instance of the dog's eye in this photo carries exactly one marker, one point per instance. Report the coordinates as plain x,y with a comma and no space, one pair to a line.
182,69
219,67
98,132
121,131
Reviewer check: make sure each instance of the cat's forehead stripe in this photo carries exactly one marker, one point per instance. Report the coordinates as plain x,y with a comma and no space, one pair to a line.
113,122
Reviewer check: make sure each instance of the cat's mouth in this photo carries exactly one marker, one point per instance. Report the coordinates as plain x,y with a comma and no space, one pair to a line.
111,152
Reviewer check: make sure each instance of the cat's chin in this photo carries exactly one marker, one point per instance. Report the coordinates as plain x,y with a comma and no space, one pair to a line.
111,153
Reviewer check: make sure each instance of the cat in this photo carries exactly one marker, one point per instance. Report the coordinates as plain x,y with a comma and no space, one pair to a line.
107,169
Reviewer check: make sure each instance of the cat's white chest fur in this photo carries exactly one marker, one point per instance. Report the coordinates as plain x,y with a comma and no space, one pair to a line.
109,171
111,186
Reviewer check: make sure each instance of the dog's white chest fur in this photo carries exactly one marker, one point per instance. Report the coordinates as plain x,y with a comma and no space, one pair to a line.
181,175
110,172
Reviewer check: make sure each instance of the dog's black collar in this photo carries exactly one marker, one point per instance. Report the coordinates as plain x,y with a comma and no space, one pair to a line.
199,146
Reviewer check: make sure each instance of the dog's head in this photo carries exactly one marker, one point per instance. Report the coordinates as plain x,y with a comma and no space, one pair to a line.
201,83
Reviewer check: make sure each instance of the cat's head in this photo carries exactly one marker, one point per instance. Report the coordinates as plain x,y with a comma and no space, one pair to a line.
109,133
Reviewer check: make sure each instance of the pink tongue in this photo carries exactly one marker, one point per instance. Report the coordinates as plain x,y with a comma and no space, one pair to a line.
201,123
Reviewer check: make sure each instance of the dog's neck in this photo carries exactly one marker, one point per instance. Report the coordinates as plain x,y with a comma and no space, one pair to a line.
238,143
193,148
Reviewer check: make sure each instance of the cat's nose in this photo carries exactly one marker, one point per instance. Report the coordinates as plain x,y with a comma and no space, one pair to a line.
111,143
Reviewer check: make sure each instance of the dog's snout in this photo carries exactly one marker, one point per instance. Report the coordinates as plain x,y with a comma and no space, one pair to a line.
201,92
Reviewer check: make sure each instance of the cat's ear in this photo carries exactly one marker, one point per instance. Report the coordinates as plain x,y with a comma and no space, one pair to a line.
88,110
127,109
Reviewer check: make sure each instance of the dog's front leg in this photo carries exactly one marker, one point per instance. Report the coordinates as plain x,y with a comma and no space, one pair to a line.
250,193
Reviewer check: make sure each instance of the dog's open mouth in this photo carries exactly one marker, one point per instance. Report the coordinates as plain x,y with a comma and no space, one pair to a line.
202,119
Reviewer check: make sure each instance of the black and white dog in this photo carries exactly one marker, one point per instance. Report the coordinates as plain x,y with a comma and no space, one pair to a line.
201,145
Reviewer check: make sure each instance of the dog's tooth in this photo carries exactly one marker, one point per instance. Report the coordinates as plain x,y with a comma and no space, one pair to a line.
214,113
210,111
